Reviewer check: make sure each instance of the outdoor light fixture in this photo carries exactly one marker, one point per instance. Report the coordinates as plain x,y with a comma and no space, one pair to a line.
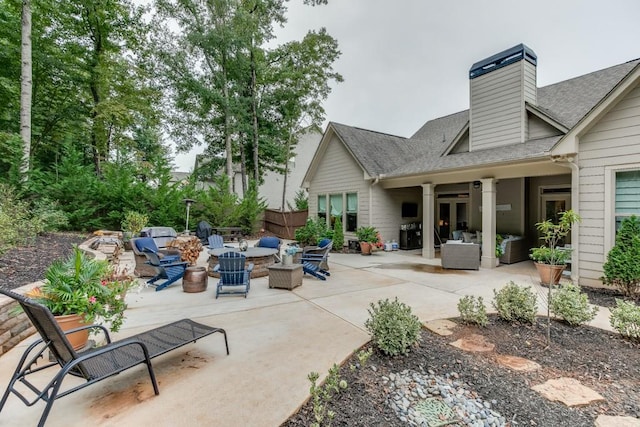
476,184
187,202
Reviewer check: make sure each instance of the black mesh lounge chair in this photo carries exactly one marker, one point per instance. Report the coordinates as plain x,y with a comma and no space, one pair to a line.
169,271
94,364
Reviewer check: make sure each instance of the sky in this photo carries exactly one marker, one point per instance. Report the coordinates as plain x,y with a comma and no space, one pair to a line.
405,62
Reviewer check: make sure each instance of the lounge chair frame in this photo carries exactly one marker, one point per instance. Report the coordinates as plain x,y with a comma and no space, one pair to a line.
94,364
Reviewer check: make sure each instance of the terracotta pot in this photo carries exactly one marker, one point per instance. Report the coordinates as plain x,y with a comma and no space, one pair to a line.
365,248
549,273
69,321
194,280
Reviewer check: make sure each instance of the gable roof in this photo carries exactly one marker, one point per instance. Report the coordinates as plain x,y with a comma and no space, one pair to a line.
566,103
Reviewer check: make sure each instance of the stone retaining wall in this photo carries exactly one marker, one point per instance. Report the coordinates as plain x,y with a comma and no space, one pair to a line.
15,325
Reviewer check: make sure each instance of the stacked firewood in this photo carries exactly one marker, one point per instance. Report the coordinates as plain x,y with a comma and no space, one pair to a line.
189,249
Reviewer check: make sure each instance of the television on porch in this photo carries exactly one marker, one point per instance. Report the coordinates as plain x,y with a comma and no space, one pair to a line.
409,210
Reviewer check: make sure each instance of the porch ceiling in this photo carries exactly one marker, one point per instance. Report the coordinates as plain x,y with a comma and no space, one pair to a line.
543,167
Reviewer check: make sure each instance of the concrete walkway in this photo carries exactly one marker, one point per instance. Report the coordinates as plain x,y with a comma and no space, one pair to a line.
276,337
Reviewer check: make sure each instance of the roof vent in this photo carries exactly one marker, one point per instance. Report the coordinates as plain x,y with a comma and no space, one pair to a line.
502,59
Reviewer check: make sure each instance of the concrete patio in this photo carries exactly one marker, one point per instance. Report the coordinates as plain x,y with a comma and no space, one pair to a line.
276,337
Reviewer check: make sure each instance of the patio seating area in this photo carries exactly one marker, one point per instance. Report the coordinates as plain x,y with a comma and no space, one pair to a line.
276,336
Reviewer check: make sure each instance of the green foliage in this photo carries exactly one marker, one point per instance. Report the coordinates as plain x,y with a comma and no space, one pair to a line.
250,210
216,204
86,286
48,215
572,305
552,234
473,310
338,235
625,318
622,269
15,225
394,329
367,234
499,250
312,232
134,222
322,395
301,200
515,303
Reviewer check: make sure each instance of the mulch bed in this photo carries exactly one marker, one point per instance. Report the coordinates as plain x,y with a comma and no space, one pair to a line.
27,264
600,360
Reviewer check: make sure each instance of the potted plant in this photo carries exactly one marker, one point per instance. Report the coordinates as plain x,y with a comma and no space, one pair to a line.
550,259
132,225
367,236
81,290
499,249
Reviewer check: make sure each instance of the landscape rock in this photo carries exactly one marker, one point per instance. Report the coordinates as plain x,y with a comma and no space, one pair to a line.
568,391
474,343
517,363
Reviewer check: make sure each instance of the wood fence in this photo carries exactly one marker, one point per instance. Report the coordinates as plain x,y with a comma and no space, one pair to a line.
284,224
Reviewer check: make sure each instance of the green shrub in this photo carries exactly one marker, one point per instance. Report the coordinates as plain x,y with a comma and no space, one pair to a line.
250,209
49,216
15,225
572,305
393,327
625,318
134,222
312,232
515,303
322,395
473,310
622,269
338,235
300,201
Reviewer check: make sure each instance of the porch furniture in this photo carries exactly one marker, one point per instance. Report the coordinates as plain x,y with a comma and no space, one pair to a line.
315,260
233,274
160,235
143,269
228,233
169,271
216,241
271,242
285,276
94,364
261,258
516,249
460,256
203,231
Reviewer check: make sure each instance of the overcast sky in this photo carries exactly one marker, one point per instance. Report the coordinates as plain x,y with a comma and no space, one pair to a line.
407,61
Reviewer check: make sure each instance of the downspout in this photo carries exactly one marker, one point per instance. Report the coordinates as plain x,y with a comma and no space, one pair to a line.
570,162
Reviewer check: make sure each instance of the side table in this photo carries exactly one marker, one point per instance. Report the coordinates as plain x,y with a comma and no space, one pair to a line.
285,276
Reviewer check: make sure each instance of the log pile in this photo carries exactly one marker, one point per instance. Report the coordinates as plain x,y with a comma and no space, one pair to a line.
189,249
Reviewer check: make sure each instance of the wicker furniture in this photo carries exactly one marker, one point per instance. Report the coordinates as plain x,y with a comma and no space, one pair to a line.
516,249
285,276
460,256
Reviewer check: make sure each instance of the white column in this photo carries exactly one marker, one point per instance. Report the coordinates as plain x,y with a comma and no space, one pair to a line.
488,259
428,211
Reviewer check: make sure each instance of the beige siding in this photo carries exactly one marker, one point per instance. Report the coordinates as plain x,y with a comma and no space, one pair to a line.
613,141
539,128
497,107
463,145
387,209
338,173
530,88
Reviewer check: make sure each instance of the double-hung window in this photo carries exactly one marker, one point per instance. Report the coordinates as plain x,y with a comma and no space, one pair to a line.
627,201
352,212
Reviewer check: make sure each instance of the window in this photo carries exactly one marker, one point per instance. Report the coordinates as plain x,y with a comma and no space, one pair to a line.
336,207
627,201
322,206
352,212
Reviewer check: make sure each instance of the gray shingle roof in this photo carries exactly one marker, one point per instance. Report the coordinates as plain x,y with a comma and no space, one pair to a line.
567,102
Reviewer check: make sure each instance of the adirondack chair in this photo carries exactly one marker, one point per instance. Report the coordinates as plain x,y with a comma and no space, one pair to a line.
92,365
143,269
216,241
315,259
171,271
234,277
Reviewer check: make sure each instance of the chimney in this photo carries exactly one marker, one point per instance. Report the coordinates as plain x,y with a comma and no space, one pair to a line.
499,87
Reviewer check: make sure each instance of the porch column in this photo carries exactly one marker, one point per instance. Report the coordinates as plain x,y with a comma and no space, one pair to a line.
488,259
428,211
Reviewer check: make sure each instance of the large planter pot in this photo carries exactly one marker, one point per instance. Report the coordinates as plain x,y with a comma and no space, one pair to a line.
549,274
69,321
365,248
195,279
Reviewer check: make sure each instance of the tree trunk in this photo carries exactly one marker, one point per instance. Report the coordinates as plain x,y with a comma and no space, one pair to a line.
26,83
254,114
286,174
227,132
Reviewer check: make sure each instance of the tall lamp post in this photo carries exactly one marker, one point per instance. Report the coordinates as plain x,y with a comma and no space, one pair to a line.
187,202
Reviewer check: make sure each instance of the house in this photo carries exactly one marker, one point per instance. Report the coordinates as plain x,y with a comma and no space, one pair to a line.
273,185
518,155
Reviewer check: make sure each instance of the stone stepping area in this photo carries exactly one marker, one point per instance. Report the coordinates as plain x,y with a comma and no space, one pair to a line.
568,391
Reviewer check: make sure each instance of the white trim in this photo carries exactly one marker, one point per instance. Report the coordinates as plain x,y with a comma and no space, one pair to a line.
609,227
